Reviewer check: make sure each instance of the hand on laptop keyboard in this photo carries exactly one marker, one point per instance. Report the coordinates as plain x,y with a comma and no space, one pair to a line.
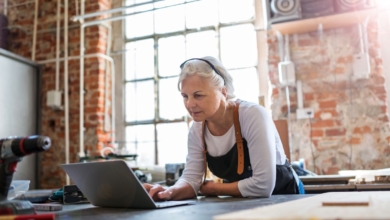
157,192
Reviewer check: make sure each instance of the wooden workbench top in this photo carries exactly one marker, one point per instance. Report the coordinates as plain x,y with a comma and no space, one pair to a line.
377,207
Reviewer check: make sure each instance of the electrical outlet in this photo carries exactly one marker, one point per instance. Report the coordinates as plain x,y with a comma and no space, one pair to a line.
53,99
303,113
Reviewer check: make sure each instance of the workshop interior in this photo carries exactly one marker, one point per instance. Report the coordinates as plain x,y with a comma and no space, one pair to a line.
86,81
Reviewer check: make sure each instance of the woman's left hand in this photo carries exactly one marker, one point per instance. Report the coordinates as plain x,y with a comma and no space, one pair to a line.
208,188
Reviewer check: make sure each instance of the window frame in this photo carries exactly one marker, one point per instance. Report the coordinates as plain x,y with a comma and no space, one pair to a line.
157,120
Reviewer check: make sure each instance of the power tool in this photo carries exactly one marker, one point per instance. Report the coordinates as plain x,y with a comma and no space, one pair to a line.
12,149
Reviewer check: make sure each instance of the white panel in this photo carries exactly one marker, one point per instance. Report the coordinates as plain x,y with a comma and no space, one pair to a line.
18,113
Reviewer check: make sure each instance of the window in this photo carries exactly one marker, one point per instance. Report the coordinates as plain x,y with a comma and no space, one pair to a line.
159,37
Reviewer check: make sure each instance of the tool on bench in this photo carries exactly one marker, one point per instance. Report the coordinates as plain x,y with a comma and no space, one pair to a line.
12,150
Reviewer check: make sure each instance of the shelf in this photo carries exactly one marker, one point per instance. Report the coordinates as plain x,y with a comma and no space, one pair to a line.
328,22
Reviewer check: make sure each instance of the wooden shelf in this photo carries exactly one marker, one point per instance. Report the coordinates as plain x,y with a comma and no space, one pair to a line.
328,22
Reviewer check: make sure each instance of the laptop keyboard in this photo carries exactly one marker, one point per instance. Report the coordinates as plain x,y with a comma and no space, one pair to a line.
171,203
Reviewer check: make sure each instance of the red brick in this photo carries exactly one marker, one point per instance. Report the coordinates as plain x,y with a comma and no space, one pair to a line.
362,130
345,60
309,96
328,104
323,123
335,132
378,90
355,141
317,133
384,118
339,70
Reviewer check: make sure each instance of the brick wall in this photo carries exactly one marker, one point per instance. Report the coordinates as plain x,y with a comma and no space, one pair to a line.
350,128
21,20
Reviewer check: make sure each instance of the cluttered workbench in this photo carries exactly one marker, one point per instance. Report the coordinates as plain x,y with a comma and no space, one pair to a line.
203,208
354,202
333,205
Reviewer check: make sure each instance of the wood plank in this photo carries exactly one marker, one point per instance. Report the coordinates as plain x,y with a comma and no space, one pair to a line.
327,178
282,127
312,208
346,203
328,22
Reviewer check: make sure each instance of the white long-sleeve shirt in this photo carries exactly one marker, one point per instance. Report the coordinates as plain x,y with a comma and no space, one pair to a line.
264,145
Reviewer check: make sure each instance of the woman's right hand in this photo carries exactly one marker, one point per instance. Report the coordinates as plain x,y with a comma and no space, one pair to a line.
157,192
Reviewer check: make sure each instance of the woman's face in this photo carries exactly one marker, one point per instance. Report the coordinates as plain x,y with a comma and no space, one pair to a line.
200,99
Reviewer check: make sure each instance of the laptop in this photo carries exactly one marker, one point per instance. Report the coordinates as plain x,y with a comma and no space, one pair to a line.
112,183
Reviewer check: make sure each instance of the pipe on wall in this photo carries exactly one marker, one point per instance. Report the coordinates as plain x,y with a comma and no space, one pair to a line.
58,44
34,43
66,84
109,37
81,125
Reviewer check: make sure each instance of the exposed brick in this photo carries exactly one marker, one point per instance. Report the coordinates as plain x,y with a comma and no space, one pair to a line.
309,96
362,130
327,104
345,60
384,118
339,70
335,132
355,140
323,123
52,175
317,133
378,89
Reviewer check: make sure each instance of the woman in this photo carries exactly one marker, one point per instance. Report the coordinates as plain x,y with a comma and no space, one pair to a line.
238,141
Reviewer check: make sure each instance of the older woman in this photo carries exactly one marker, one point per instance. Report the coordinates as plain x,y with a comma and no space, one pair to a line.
237,140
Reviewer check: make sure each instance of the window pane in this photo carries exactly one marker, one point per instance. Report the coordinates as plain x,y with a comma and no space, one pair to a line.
140,101
140,59
169,19
246,84
139,24
171,55
233,10
171,102
172,143
140,141
133,2
238,46
207,9
202,44
167,3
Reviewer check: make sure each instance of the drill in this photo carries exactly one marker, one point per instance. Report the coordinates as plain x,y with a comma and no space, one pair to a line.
12,149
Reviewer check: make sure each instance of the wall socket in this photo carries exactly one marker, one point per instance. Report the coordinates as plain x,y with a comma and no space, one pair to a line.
303,113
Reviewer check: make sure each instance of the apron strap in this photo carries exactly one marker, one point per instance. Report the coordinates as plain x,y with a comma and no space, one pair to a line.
240,146
204,152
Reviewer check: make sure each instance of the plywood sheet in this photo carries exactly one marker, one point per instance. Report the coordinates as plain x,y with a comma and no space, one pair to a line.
313,209
282,128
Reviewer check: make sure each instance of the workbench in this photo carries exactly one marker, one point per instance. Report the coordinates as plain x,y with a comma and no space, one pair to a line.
205,208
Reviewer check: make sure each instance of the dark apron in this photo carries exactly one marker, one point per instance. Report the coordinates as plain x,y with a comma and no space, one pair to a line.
225,167
236,165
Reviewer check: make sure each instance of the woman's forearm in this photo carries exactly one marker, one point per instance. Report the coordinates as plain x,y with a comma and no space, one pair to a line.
218,189
181,190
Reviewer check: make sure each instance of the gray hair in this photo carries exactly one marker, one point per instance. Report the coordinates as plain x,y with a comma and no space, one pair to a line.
205,70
